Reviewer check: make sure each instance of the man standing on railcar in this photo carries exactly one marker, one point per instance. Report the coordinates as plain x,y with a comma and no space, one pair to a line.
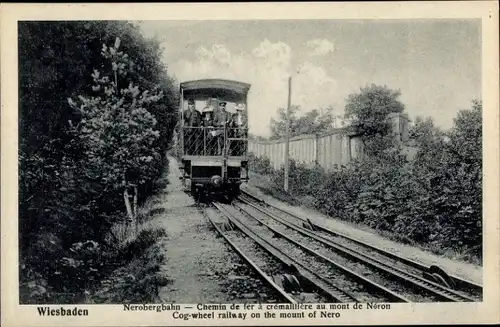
238,130
221,120
192,120
222,117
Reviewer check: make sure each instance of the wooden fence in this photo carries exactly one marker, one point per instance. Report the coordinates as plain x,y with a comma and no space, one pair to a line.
327,150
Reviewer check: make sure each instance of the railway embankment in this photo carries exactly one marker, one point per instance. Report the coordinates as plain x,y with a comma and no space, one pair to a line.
261,186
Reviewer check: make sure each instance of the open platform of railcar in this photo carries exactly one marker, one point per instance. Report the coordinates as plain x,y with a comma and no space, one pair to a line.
214,135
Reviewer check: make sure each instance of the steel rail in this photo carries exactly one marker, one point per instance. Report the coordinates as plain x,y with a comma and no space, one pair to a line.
254,266
323,285
459,282
380,288
407,278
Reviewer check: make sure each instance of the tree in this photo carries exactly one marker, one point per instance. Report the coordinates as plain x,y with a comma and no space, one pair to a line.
51,70
464,168
448,172
368,110
312,122
424,131
466,134
116,130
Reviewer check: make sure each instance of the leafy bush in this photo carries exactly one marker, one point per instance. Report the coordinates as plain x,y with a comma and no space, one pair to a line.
261,165
301,179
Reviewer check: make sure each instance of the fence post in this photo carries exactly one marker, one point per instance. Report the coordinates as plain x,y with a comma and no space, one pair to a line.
316,149
287,136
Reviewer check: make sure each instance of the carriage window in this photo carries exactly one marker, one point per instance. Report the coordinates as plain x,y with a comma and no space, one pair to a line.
198,105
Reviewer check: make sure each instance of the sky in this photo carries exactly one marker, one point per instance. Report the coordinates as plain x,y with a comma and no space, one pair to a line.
436,64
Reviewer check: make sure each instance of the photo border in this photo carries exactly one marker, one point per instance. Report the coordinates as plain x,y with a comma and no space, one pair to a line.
113,315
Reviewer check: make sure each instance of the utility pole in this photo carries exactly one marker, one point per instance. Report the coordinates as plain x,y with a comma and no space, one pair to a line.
287,136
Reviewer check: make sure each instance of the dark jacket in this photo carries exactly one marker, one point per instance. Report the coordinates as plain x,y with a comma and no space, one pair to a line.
192,118
222,118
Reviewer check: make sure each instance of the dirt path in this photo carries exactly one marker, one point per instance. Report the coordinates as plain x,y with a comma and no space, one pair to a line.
199,263
189,247
461,269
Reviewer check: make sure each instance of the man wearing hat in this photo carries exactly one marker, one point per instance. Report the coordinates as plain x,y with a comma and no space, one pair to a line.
207,116
210,133
192,119
222,119
239,118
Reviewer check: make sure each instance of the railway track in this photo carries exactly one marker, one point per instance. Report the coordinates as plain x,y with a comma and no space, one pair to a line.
431,281
220,228
293,273
320,274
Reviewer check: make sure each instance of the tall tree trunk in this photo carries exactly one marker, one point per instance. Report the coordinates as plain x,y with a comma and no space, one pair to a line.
126,198
135,211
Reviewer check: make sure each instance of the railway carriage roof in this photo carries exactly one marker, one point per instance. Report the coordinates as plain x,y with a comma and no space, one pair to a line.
219,88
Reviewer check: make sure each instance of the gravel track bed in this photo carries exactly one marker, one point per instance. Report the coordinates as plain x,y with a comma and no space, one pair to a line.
350,244
260,257
371,253
357,267
246,285
259,186
335,276
242,283
389,261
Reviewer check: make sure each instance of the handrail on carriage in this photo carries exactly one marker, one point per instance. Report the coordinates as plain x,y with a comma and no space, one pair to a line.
210,141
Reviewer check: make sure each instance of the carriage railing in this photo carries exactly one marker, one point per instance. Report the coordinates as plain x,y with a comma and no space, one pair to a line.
215,141
237,141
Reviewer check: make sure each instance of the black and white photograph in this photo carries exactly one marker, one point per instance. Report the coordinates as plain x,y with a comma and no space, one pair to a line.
300,167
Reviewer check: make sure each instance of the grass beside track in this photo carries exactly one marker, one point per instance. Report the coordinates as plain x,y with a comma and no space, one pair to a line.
138,275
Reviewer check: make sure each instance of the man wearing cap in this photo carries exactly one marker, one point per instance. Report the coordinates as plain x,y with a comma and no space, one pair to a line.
192,118
222,117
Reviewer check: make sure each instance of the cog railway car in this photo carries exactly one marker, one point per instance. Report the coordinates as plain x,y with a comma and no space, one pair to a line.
214,136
